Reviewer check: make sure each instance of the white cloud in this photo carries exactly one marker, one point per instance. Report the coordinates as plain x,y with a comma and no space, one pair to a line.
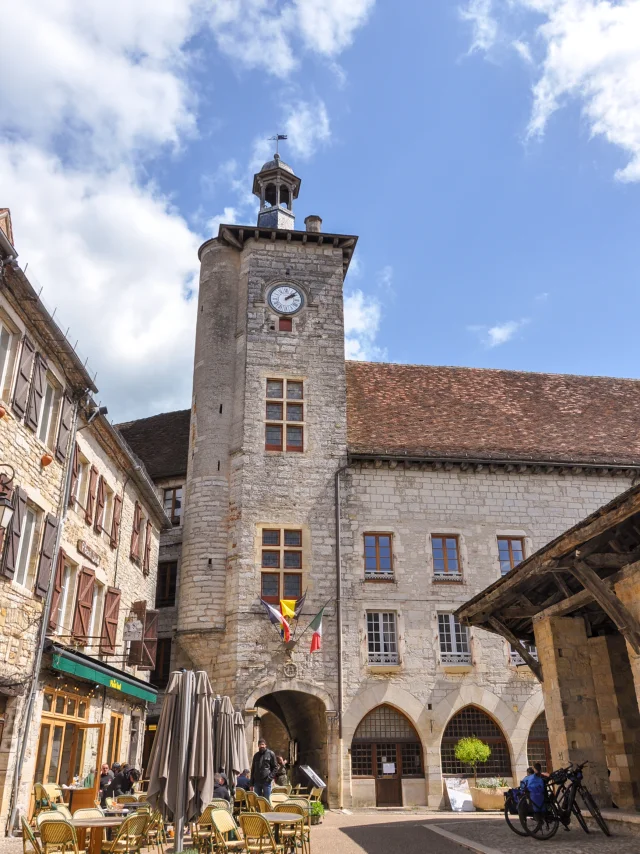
501,333
328,26
484,32
361,325
384,279
523,50
307,127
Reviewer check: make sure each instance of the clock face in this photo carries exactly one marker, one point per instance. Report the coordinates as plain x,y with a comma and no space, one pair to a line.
285,299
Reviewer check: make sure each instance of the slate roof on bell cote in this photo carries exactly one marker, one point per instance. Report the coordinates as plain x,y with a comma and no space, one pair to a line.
161,442
469,413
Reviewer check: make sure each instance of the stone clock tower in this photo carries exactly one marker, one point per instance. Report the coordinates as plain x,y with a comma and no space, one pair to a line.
268,432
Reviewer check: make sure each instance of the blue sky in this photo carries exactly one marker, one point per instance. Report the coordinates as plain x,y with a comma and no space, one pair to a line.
486,152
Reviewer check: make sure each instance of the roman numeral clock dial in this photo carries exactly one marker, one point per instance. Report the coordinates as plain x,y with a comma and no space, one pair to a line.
285,299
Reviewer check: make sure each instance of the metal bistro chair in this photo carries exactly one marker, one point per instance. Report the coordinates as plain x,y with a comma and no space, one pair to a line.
240,802
258,836
252,801
27,836
302,828
58,836
219,804
262,804
89,812
281,790
130,836
316,793
224,825
278,797
49,815
156,834
42,801
203,833
126,799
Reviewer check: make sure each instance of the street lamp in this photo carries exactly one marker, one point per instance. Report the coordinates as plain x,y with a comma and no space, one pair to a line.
6,505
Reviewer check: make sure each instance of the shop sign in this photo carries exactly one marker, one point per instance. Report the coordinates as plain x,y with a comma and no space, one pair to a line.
86,551
132,630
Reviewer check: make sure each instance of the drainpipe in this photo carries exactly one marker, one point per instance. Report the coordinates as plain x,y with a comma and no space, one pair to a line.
33,690
338,532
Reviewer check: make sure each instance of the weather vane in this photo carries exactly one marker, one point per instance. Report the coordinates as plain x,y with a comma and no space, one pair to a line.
277,139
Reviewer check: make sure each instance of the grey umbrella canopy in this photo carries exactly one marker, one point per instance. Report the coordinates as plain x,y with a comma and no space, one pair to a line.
241,757
225,740
181,764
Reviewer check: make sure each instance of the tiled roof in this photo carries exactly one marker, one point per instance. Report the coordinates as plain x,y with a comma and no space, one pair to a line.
161,442
416,410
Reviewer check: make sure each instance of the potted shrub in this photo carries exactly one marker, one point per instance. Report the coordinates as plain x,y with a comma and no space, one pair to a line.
316,811
472,751
488,794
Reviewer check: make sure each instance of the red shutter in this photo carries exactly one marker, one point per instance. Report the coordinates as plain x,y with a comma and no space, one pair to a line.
84,601
65,428
91,495
46,556
12,535
146,565
101,498
136,648
75,474
150,642
135,533
115,522
38,386
57,590
23,380
110,621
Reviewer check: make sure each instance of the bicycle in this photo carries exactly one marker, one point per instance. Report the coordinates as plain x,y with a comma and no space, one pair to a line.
511,800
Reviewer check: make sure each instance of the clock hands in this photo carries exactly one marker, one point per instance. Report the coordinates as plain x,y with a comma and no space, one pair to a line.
291,296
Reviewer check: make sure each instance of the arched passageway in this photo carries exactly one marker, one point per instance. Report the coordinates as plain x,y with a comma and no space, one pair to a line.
472,721
386,747
538,749
294,724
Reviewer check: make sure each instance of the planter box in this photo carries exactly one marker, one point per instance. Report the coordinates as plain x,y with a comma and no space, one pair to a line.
316,819
488,799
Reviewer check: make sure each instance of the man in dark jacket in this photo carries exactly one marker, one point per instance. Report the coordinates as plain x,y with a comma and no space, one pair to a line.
263,769
220,789
122,783
244,781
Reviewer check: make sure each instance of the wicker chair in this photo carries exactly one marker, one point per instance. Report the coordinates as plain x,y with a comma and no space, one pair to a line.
156,835
131,835
278,797
219,804
281,790
89,812
58,835
64,810
42,801
316,793
240,801
126,799
49,815
258,837
224,825
252,801
302,828
262,804
203,833
27,836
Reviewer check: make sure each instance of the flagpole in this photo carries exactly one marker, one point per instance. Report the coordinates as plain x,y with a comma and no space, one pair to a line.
321,609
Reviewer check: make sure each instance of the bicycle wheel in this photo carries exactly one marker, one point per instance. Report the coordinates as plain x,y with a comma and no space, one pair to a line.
513,821
592,806
540,825
578,814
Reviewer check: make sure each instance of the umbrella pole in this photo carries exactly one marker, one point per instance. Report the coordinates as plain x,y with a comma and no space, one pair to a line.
183,741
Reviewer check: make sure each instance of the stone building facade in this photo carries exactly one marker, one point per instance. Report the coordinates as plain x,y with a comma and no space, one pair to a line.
72,569
433,481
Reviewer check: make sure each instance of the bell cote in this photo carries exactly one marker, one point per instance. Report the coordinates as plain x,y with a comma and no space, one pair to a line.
276,186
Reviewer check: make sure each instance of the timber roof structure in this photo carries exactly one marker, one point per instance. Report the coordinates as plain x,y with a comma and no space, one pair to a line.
424,412
573,575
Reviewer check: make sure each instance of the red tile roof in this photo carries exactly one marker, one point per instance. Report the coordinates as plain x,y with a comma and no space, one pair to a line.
426,411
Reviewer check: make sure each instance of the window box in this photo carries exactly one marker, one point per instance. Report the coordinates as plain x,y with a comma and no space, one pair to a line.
517,660
455,659
455,577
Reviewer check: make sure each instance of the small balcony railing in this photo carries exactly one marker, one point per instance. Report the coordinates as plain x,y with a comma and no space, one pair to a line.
455,658
447,576
372,575
518,660
378,658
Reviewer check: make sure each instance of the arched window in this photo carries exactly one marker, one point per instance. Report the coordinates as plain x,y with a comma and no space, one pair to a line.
270,194
538,748
285,198
472,721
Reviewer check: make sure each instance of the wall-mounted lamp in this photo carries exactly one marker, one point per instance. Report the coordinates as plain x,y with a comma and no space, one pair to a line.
46,460
6,505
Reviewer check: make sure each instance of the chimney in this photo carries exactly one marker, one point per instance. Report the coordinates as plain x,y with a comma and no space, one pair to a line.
313,223
5,224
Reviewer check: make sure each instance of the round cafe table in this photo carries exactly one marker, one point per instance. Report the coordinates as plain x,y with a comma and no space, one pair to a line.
278,818
96,826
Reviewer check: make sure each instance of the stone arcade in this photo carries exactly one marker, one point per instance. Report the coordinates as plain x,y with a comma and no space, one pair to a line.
442,478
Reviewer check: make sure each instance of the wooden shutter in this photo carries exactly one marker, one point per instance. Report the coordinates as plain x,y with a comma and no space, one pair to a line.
84,601
91,495
135,533
150,642
101,497
46,556
75,474
146,564
64,429
110,621
136,648
13,533
38,386
23,380
57,590
115,522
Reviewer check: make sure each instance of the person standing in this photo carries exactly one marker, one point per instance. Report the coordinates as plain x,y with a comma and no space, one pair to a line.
263,769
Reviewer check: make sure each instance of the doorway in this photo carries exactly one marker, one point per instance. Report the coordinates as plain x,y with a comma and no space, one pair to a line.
538,748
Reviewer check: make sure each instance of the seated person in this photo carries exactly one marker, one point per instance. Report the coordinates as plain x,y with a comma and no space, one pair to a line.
220,789
243,780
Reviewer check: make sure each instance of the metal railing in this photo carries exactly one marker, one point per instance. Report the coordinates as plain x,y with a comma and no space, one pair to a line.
447,576
449,658
518,660
384,658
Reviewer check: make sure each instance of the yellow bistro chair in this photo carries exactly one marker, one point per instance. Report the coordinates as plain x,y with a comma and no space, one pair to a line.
89,812
49,815
252,801
303,827
203,833
130,836
27,836
58,835
224,825
258,836
262,804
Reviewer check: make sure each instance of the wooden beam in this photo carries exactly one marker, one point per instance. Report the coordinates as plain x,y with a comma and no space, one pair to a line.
508,635
561,584
612,606
579,600
230,238
517,613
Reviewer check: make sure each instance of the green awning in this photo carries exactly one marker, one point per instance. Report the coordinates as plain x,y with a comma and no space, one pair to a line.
96,672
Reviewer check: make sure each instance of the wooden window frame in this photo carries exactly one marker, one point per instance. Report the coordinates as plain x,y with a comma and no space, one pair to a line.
281,570
378,574
113,749
7,370
49,440
450,576
510,540
67,695
175,519
159,677
33,548
163,597
284,423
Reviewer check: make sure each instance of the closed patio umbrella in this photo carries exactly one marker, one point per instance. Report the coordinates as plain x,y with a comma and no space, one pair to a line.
225,739
201,768
241,757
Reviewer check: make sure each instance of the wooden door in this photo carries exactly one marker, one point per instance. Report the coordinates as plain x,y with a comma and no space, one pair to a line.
388,775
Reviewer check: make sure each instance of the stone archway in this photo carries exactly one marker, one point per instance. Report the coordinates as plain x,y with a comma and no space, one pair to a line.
474,721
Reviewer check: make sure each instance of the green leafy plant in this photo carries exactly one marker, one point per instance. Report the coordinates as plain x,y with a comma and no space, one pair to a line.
471,751
491,783
317,808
